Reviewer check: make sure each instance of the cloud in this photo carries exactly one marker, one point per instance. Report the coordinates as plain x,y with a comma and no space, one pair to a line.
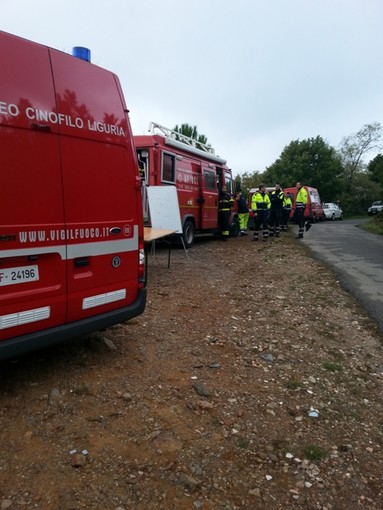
253,75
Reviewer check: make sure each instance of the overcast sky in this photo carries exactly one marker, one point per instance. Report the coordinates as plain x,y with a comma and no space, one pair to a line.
252,75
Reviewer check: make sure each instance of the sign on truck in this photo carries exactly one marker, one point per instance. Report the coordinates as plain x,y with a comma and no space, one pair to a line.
71,224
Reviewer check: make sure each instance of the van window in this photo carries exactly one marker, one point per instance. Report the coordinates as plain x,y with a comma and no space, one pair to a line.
209,180
229,182
168,167
314,195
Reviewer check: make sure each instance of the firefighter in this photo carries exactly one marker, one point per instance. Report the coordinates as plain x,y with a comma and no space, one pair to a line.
299,214
260,204
276,210
243,212
287,206
141,170
225,203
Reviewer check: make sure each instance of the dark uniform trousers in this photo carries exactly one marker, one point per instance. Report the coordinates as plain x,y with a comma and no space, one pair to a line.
262,218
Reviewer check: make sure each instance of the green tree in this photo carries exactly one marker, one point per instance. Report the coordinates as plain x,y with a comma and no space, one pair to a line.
311,161
362,193
237,183
375,169
248,181
192,133
354,147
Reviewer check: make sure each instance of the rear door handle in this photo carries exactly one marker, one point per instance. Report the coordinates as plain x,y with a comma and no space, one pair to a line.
115,230
81,262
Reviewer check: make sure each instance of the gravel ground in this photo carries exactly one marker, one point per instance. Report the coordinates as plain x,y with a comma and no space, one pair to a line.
252,381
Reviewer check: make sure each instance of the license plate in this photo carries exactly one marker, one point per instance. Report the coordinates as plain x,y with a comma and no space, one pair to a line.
14,275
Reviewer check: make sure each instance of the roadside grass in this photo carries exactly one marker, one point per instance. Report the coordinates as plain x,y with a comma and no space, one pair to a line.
313,452
332,367
374,225
293,384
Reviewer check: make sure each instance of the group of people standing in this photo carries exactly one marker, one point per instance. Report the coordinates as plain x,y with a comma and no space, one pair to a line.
271,211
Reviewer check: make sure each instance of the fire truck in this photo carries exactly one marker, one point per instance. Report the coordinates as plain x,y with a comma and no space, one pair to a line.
71,233
166,157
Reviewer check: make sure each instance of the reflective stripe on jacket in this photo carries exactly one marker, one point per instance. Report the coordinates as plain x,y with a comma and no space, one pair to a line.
276,199
302,198
260,201
225,202
287,204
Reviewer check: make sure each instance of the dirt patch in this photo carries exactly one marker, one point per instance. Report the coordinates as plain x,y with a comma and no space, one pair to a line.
251,381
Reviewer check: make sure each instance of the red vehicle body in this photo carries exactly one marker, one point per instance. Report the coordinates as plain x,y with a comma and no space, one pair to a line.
71,232
166,157
314,209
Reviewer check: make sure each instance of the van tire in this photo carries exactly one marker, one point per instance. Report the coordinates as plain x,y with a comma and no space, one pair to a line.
188,233
234,227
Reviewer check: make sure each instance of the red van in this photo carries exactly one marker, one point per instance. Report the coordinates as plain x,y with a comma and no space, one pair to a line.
71,232
314,208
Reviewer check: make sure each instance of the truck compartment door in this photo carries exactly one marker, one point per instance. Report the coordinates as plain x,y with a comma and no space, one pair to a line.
209,192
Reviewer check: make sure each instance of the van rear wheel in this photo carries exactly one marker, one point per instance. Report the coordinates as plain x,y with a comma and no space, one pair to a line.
234,228
189,233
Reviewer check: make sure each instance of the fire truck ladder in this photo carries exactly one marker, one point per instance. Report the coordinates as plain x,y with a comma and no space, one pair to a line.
175,135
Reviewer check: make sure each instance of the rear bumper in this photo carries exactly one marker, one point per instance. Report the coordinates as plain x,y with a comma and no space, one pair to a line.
18,346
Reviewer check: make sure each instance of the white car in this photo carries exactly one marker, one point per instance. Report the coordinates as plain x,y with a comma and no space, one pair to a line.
332,211
376,207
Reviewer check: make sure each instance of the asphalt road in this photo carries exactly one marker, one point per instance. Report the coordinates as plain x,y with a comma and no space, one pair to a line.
355,256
